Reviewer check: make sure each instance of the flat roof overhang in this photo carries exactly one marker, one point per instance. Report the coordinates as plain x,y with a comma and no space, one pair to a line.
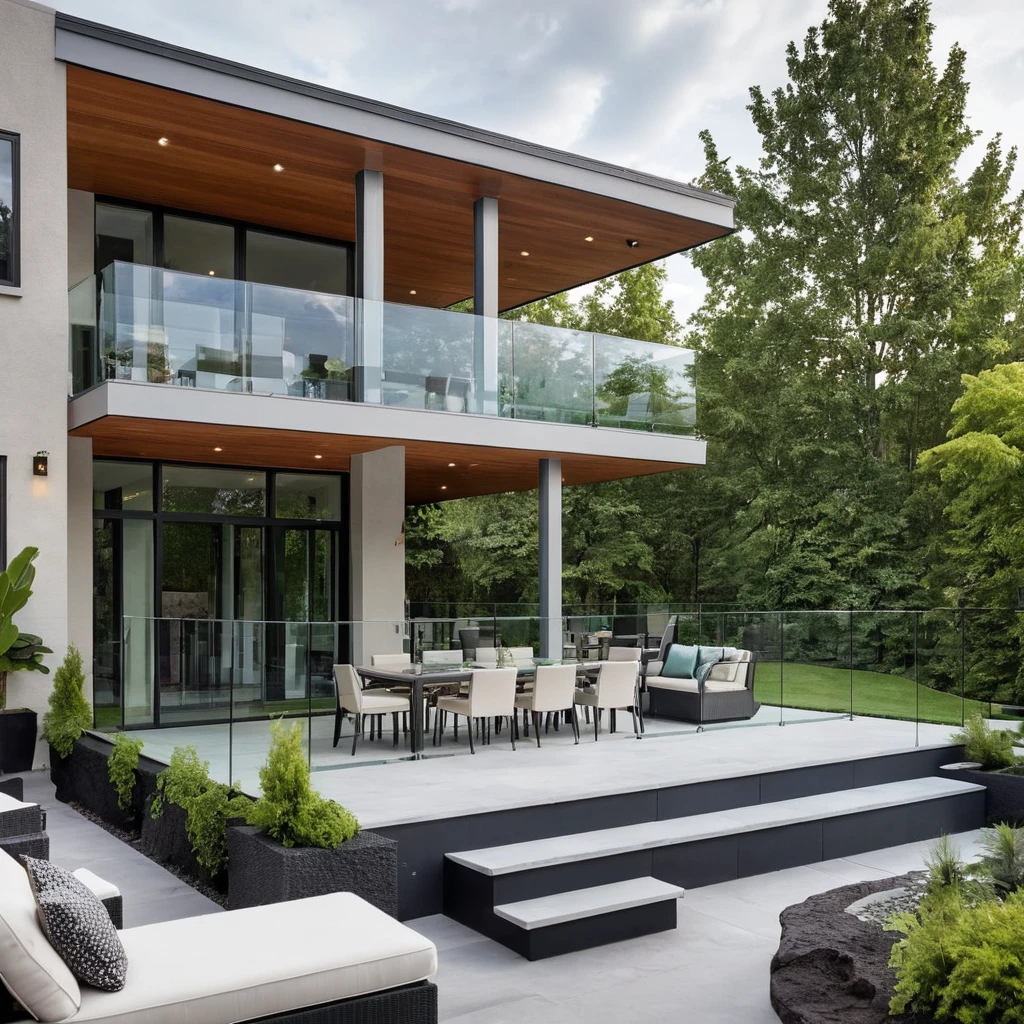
153,421
228,124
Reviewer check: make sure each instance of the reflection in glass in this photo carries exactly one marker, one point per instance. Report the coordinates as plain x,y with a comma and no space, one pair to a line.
137,597
308,496
554,374
295,262
199,246
8,213
123,233
214,490
122,485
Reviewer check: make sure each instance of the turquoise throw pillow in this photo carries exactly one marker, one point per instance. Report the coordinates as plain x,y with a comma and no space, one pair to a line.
709,655
681,662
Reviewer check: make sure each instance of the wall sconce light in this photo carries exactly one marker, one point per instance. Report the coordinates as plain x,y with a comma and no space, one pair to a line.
40,464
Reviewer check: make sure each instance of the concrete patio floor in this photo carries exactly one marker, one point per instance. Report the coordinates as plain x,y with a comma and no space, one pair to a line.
713,969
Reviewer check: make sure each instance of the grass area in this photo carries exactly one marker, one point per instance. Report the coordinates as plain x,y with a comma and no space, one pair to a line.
818,688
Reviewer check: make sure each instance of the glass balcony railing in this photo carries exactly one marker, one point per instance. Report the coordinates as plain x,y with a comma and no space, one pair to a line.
160,326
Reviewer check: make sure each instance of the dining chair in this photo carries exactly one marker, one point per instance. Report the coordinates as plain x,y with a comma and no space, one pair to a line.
492,694
615,688
632,654
351,697
487,656
452,658
554,688
396,661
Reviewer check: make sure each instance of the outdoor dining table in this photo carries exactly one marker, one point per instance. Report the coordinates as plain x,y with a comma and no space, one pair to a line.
418,681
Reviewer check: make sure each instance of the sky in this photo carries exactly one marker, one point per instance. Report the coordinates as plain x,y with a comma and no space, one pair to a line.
631,82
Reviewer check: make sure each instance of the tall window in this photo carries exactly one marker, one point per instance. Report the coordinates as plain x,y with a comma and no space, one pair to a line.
9,273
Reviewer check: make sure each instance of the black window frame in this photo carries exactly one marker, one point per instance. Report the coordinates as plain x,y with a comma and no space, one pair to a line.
14,138
3,512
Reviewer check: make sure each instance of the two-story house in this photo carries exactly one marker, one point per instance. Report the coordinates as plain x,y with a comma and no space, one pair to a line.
224,316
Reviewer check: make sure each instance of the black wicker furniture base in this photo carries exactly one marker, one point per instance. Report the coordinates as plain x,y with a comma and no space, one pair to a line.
35,844
411,1004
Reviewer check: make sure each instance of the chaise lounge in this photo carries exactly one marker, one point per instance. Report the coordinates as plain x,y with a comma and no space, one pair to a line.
330,959
724,693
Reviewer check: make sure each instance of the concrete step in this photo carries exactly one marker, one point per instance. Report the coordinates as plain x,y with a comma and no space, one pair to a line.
570,849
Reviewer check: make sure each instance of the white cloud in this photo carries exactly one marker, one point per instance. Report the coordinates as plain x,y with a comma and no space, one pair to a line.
628,81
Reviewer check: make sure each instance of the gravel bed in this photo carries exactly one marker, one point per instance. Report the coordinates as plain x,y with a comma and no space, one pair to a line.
133,839
879,907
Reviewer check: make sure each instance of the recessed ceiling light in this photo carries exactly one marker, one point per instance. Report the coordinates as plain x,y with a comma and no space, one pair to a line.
632,242
524,253
444,487
451,465
218,449
213,273
589,238
472,465
412,291
317,456
278,168
163,141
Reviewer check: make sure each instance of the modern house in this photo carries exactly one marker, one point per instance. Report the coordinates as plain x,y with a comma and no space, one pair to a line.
225,318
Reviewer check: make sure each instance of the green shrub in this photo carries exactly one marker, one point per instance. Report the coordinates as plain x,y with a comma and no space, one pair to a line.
290,810
991,748
208,805
961,963
1002,861
69,714
121,765
945,866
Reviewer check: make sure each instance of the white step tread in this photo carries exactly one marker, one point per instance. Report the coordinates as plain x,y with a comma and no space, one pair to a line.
579,903
538,853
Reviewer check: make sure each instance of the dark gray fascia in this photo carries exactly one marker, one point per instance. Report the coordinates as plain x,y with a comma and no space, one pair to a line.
111,50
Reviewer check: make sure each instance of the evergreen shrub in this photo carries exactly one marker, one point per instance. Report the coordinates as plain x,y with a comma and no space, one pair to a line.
69,714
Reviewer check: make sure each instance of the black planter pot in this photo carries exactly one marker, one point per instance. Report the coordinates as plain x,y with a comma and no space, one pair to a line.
17,740
1004,794
262,871
165,839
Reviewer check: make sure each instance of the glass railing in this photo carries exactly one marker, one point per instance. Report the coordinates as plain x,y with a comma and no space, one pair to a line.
160,326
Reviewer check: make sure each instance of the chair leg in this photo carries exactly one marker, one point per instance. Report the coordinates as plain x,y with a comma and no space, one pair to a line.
356,732
512,730
536,724
597,722
455,727
636,725
394,728
575,722
526,723
469,732
405,723
611,719
337,725
437,721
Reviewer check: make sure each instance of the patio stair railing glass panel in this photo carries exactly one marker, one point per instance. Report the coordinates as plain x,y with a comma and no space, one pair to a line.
161,326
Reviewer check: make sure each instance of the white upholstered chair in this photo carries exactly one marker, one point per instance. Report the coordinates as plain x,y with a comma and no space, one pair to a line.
554,688
352,698
521,656
486,656
492,694
624,654
615,688
452,658
390,660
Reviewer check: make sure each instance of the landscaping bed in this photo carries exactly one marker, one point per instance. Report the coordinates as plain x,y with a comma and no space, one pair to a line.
832,967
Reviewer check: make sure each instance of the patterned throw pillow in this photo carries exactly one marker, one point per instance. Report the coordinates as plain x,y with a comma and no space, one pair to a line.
78,926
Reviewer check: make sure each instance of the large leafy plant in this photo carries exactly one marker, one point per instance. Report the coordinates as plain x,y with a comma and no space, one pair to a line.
19,652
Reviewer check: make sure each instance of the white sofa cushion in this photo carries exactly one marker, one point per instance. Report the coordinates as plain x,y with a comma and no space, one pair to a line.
29,966
691,685
261,961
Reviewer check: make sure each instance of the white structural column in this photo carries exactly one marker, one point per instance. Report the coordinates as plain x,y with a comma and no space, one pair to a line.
369,285
377,505
549,522
485,304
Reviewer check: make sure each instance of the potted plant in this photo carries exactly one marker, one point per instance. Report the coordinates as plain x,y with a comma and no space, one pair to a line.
338,377
68,717
19,652
297,844
990,761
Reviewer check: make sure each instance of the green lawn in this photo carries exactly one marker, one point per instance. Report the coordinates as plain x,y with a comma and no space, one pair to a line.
874,693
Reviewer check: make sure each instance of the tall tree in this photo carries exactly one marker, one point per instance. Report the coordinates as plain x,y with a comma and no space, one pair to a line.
865,278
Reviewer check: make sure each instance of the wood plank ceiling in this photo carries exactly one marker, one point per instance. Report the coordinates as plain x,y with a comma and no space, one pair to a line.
219,161
429,473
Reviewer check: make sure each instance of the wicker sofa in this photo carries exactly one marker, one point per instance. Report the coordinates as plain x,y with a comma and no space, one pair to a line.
725,695
331,959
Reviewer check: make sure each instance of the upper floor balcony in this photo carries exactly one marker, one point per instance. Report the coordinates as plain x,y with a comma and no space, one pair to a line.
141,323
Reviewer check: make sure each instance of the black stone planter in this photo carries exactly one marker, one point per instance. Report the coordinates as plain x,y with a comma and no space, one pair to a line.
165,840
82,777
1004,794
261,870
17,740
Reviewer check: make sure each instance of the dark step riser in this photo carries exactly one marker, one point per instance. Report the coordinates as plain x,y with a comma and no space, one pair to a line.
422,845
469,895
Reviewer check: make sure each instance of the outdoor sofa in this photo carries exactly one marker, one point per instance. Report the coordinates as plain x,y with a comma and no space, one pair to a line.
331,959
724,693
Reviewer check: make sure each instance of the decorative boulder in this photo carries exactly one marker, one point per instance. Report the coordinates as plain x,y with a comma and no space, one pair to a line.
261,870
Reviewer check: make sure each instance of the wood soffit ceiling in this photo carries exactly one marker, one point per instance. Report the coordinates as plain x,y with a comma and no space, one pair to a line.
428,475
219,161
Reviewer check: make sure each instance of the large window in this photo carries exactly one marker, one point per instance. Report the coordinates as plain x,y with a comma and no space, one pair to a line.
9,242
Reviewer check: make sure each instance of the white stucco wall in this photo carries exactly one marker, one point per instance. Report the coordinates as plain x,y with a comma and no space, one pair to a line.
377,483
33,330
